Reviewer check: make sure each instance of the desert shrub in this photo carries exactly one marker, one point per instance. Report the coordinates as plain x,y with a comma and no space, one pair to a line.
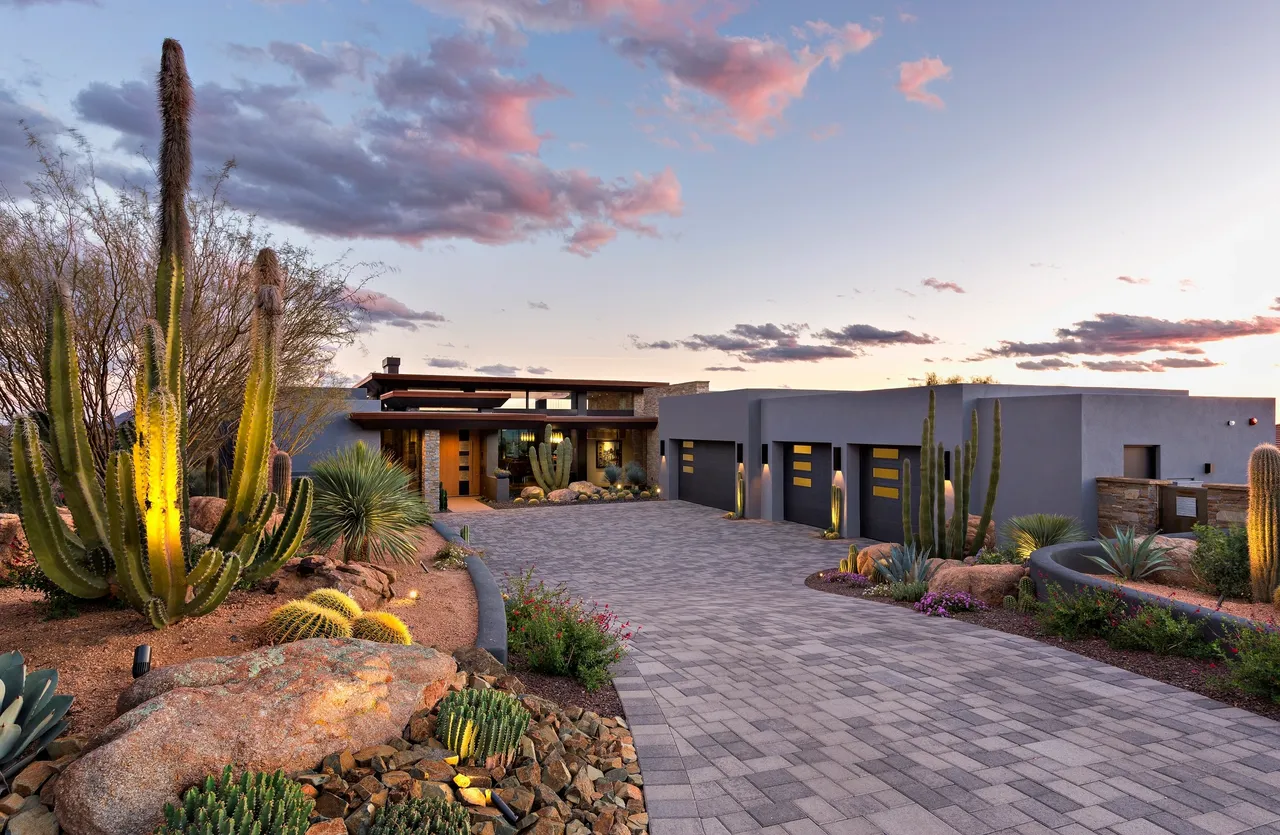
944,604
453,555
1039,530
1131,559
612,474
1255,662
635,474
557,634
911,591
1221,561
1092,613
365,501
1159,630
1000,556
905,564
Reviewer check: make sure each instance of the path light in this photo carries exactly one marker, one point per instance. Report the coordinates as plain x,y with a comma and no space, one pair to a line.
141,660
413,594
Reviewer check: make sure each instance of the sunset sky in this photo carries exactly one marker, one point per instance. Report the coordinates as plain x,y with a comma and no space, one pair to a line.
814,193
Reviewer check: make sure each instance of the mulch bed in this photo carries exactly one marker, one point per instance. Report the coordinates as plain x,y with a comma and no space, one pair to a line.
1197,675
604,701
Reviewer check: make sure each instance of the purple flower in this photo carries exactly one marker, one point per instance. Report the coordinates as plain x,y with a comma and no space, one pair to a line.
946,603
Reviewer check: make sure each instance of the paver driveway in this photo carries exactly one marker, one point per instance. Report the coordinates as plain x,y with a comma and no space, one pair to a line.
761,705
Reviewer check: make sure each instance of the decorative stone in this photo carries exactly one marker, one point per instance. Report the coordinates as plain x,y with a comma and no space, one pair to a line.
66,746
369,584
867,557
531,493
565,495
31,778
331,805
988,583
37,821
12,804
278,707
329,827
478,661
585,488
1180,554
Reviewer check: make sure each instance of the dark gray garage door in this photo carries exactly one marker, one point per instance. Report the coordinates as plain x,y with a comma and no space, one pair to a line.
806,493
708,472
881,498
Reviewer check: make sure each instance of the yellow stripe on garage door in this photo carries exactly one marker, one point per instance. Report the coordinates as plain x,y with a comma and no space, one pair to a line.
883,472
879,452
803,466
885,492
802,449
688,456
802,482
687,469
687,444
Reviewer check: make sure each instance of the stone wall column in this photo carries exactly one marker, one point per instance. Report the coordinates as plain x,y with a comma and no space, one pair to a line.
1128,503
431,469
1228,504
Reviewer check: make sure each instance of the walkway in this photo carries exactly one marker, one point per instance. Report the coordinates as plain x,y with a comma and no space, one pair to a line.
759,705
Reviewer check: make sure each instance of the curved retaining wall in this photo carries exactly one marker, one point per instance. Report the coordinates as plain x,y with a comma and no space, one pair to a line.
491,627
1067,566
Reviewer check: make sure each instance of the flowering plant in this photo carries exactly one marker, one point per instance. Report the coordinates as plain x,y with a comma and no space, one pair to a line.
944,604
848,578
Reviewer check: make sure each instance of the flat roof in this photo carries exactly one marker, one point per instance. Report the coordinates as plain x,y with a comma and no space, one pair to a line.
381,381
497,420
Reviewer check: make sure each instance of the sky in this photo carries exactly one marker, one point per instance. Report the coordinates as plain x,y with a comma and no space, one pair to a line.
826,194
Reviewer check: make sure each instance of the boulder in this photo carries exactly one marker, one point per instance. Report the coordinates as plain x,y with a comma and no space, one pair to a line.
479,661
205,511
988,583
278,707
13,541
867,557
565,495
988,541
1180,553
585,487
367,583
531,493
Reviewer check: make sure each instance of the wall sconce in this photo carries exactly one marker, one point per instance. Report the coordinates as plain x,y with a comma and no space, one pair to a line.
1253,421
662,448
1208,468
946,465
738,452
835,458
764,455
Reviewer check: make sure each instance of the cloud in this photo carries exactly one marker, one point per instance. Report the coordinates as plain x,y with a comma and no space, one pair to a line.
1117,334
381,309
538,370
906,292
940,286
1186,362
659,345
1148,366
539,306
445,362
781,343
914,75
732,84
1276,305
907,17
497,370
1049,364
1040,265
796,353
320,69
589,237
724,368
18,161
1131,280
447,150
865,336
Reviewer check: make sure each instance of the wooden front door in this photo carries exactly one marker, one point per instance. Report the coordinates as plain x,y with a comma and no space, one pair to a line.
449,461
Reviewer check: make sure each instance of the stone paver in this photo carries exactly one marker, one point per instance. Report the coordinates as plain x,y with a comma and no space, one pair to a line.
759,705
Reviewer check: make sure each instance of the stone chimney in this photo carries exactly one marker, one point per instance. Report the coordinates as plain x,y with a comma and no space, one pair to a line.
391,365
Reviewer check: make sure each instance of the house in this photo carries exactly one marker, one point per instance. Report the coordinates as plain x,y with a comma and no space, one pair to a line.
452,431
793,446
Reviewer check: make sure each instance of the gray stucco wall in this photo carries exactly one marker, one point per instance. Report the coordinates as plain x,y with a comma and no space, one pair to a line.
339,433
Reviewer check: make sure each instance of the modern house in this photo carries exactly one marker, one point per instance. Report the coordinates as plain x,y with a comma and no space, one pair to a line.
452,431
793,446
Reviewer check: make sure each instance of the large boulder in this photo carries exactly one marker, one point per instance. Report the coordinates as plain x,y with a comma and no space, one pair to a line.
868,556
1180,554
988,540
369,584
988,583
565,495
585,487
531,493
279,707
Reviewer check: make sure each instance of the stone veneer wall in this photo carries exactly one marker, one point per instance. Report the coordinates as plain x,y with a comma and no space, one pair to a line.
646,405
1228,504
431,468
1128,502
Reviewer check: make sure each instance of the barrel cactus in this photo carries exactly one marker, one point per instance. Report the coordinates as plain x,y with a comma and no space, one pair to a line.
256,804
298,620
1263,520
337,601
383,627
485,725
421,816
31,716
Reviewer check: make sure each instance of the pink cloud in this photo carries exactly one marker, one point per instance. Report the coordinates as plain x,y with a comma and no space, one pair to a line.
588,239
907,17
839,41
914,75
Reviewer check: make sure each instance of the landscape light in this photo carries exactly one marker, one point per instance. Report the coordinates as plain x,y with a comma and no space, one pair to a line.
141,660
413,594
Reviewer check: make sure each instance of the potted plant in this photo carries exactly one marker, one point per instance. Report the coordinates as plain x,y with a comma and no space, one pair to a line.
503,491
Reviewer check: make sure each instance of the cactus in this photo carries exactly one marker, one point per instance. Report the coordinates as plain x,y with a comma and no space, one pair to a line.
740,495
444,499
257,803
223,475
281,476
1026,595
1263,520
925,538
31,716
482,724
907,537
421,816
336,601
837,507
993,479
298,620
940,500
552,465
1010,602
849,565
132,533
465,533
383,627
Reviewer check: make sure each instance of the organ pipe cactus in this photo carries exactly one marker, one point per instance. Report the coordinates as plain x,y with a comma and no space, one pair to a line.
925,537
131,534
837,507
1263,520
740,495
907,537
31,716
993,479
552,464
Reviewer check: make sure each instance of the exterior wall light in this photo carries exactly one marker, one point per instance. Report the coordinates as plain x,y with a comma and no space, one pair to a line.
662,448
1253,421
1231,423
764,455
835,459
738,452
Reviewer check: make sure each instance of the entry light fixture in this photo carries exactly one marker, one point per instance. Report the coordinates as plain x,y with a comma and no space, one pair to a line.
557,437
835,459
764,455
662,447
738,452
1208,468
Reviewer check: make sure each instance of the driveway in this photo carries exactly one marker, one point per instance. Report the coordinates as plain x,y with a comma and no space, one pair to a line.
759,705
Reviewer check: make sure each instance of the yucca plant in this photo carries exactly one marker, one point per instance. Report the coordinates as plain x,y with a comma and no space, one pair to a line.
367,503
1129,559
905,564
1039,530
31,716
482,724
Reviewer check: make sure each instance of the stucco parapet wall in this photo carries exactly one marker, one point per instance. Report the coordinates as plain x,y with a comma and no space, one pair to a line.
1137,481
1068,567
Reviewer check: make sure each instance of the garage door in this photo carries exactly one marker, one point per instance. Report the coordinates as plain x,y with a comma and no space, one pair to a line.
708,472
881,499
806,493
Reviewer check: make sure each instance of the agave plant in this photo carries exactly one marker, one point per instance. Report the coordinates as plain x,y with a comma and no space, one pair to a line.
1039,530
31,716
1129,559
367,503
905,564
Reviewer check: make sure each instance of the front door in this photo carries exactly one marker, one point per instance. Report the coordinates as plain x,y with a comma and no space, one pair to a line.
881,491
806,493
449,461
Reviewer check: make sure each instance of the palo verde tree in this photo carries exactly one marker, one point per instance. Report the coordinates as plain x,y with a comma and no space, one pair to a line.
131,538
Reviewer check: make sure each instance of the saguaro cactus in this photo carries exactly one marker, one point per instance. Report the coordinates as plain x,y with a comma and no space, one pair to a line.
281,476
907,537
1263,520
993,479
837,507
925,538
552,464
133,535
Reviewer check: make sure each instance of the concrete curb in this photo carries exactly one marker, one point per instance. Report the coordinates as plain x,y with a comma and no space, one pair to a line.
1067,566
491,628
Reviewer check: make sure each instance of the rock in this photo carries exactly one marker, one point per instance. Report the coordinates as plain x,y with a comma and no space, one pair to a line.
329,827
205,511
988,583
585,487
988,540
479,661
13,540
565,495
279,707
368,584
66,746
31,778
12,804
1180,553
531,493
868,555
37,821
